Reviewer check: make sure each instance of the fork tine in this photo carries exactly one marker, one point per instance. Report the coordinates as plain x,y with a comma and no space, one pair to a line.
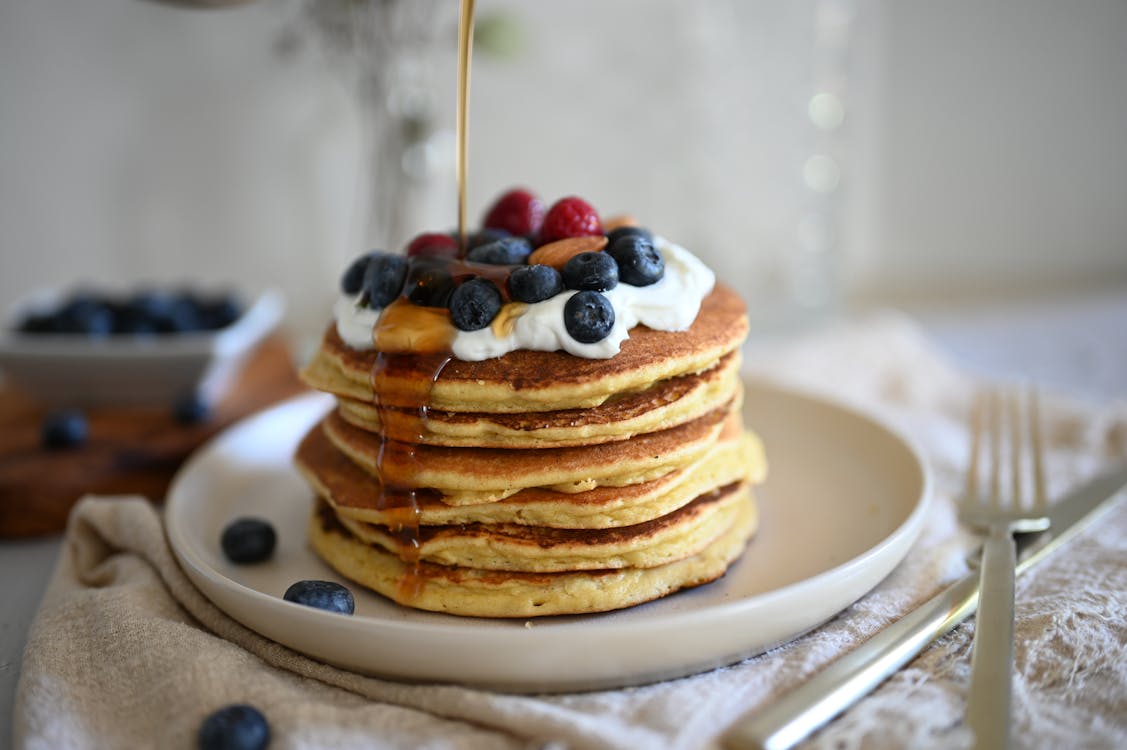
1040,498
995,430
976,425
1013,407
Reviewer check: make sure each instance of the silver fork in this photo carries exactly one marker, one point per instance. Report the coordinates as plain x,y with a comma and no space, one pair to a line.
1000,514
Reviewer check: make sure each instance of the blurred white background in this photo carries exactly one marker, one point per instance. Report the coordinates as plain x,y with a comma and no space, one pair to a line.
820,154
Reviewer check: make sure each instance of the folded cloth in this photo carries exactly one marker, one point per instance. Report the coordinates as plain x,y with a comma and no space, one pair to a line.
126,652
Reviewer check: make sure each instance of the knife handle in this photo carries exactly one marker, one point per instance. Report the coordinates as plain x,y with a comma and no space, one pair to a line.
828,693
811,705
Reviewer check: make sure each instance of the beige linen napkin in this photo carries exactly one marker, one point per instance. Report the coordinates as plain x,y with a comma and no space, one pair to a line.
125,652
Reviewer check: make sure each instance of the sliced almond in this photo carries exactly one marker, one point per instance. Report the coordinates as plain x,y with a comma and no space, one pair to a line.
506,320
617,222
557,254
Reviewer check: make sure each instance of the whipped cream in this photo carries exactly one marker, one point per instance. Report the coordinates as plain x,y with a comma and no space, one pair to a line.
671,304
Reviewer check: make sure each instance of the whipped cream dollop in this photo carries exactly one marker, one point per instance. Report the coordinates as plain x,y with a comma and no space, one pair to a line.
670,304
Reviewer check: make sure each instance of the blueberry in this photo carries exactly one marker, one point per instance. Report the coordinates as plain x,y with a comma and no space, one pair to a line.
182,315
85,314
248,540
37,322
593,271
353,279
507,252
474,304
430,283
485,236
65,428
191,408
535,283
639,262
617,234
234,727
325,595
147,303
137,315
588,317
219,311
383,279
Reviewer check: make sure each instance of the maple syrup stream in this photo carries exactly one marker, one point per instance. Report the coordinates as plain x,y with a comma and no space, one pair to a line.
405,327
465,54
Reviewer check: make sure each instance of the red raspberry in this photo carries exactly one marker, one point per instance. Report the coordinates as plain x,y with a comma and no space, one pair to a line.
570,217
518,212
433,244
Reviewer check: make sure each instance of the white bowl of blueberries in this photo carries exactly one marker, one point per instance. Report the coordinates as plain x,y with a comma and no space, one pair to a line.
139,347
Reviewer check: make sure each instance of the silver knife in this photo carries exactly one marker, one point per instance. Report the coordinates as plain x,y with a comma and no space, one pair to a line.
814,703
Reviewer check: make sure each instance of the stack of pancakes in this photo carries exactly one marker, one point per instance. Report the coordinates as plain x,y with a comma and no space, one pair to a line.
536,483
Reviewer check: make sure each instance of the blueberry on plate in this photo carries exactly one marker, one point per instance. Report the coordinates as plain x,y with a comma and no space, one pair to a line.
510,251
588,317
474,304
535,283
383,279
617,234
248,540
326,595
639,262
352,280
234,727
591,271
430,283
65,428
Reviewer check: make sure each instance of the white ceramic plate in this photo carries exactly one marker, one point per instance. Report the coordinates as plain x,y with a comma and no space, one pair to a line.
843,504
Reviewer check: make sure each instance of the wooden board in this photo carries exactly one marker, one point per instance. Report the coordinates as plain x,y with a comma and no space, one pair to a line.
134,450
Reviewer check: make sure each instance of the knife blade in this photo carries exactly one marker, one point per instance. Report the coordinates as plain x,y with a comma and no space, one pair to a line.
814,703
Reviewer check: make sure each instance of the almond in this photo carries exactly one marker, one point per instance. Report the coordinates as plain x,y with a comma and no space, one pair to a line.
506,320
557,254
617,222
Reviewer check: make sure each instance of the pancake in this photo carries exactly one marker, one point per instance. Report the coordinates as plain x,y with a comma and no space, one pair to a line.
663,405
523,381
356,495
495,593
472,475
531,483
674,536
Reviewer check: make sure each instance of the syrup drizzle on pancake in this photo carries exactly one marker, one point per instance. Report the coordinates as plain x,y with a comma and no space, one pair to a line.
400,319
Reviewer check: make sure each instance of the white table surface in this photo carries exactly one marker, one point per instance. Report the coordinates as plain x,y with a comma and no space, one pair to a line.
1075,343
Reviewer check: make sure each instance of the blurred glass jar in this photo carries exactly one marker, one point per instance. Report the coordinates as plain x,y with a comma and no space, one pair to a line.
769,95
397,56
720,125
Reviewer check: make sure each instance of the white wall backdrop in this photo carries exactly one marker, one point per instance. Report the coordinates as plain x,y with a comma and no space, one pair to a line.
1004,150
979,145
